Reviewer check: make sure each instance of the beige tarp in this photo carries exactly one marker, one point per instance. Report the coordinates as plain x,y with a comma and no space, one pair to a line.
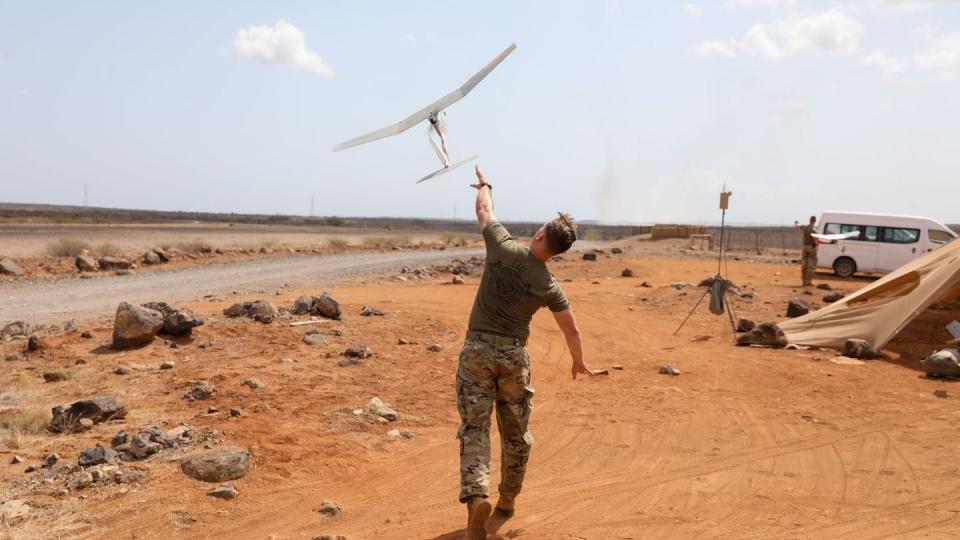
880,310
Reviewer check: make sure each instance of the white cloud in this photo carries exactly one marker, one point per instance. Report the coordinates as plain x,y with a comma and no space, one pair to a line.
900,6
941,56
282,43
613,8
830,32
772,4
692,9
888,65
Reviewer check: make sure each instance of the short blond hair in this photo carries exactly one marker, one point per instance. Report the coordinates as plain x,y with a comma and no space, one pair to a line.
561,233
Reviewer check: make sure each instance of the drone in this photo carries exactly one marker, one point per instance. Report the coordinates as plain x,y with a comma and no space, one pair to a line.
437,118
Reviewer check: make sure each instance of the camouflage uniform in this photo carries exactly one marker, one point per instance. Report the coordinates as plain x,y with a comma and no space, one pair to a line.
808,255
493,370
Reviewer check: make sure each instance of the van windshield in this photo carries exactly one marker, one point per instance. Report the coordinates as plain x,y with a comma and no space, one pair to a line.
940,237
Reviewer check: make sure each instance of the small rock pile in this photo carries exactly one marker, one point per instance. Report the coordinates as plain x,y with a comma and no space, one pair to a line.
323,305
259,310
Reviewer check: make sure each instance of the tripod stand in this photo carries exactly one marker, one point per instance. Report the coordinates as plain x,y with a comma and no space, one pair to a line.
719,302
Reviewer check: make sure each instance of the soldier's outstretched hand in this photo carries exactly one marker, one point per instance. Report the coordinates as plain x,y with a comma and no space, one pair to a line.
580,368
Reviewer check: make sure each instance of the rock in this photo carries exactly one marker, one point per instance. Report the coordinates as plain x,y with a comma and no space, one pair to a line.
328,508
169,364
201,390
824,287
646,285
55,376
96,456
434,348
33,343
50,460
14,329
394,434
330,537
224,492
616,251
589,256
457,280
151,258
135,325
114,263
14,511
128,476
678,285
85,263
254,384
15,460
401,341
32,468
669,369
745,325
347,362
212,409
626,273
82,481
358,351
218,465
85,424
235,412
162,255
368,311
258,310
617,367
942,394
97,409
10,268
859,348
943,363
86,334
302,305
326,307
314,339
119,439
12,357
378,408
835,296
146,442
766,334
121,370
797,308
181,322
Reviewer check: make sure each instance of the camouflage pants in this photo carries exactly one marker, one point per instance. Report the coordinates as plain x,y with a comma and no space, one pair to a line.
493,374
808,264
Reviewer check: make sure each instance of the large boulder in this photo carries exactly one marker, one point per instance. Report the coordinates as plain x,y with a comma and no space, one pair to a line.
85,263
115,263
859,348
768,334
218,465
97,409
10,268
797,308
325,306
135,325
944,363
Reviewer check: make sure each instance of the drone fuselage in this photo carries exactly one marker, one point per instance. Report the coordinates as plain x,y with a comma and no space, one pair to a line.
438,123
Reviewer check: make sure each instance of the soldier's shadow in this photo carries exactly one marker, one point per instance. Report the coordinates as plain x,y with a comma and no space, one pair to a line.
494,524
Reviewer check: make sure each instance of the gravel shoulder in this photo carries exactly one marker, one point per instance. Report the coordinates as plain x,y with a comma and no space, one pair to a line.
43,301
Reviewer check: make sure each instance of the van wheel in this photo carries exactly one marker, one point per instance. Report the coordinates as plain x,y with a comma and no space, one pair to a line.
845,267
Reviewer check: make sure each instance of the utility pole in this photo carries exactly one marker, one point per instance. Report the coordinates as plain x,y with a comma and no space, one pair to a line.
311,206
86,202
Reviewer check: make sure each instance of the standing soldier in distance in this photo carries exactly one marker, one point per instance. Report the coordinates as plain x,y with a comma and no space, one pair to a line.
494,365
808,260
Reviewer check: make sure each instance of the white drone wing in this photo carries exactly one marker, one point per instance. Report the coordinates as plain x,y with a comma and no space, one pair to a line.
447,169
431,109
838,236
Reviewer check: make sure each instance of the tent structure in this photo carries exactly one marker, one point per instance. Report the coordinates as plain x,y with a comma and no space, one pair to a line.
882,309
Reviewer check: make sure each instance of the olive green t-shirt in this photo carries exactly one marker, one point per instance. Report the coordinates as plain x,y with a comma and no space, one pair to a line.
515,284
808,232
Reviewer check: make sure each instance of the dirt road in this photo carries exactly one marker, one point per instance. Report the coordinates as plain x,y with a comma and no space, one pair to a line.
42,301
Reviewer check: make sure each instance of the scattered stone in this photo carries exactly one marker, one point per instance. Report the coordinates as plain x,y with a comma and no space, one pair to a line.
669,369
797,308
50,460
330,537
114,263
96,456
15,460
328,508
457,280
14,329
859,348
601,372
434,347
201,390
358,351
150,258
121,370
33,343
97,409
678,285
10,268
616,251
128,476
401,341
626,273
260,311
393,434
212,409
767,334
181,322
254,384
943,363
617,367
85,263
314,338
326,307
378,408
86,334
347,362
12,357
824,287
55,376
235,412
119,439
835,296
218,465
368,311
590,256
32,468
225,491
169,364
942,394
745,325
646,285
302,305
135,325
85,424
82,481
14,511
162,255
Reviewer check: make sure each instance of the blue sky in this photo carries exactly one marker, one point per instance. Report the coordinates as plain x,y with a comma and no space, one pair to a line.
620,111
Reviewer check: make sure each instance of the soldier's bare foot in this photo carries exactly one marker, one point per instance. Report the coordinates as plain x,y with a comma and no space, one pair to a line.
478,509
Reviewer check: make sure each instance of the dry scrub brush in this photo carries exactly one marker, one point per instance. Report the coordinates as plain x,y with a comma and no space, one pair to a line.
67,247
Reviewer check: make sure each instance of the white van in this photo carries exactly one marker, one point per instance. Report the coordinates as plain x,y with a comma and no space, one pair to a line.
886,241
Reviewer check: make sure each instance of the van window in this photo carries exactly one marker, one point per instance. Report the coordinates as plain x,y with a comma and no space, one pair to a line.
870,233
832,228
940,237
896,235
